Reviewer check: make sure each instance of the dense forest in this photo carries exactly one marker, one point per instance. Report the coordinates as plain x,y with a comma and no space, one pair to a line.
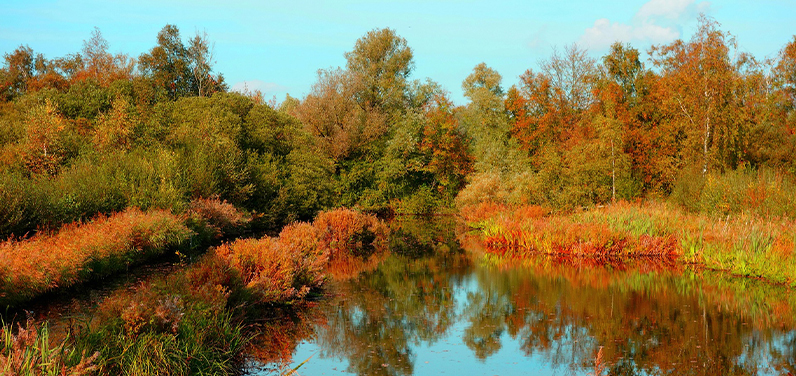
109,161
93,132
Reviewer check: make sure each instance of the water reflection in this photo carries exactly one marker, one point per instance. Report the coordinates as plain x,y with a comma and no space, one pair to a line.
430,309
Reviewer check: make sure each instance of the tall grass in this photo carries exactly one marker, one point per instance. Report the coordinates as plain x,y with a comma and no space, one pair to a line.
83,251
763,192
742,244
28,352
80,252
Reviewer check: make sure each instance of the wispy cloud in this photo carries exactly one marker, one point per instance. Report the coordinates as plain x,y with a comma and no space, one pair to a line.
657,21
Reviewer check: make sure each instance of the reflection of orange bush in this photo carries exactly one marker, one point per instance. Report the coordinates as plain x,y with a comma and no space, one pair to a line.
82,251
279,334
347,266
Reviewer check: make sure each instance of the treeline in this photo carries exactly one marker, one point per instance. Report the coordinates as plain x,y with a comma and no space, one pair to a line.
94,132
703,123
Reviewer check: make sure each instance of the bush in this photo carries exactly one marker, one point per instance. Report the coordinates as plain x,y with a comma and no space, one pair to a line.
761,192
346,232
81,252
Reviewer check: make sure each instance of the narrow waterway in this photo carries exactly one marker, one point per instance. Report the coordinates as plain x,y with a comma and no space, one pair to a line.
436,308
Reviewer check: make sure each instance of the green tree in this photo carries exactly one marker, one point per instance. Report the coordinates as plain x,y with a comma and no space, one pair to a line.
19,69
182,71
382,62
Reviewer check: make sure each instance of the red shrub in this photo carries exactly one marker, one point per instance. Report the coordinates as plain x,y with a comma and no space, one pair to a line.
347,232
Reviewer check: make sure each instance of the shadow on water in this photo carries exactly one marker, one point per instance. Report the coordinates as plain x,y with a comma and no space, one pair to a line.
432,307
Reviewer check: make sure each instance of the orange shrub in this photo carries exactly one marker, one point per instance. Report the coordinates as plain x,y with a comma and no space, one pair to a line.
278,270
83,251
481,211
302,240
347,232
264,268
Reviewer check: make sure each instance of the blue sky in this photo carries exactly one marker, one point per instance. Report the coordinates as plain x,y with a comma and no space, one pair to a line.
278,47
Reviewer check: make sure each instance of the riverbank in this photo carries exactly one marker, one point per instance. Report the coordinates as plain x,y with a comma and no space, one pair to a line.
742,245
83,252
196,319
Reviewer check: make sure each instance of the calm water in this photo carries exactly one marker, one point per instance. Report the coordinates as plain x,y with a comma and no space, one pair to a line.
435,308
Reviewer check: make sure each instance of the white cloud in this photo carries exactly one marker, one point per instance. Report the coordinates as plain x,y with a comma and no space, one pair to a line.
603,33
262,86
656,22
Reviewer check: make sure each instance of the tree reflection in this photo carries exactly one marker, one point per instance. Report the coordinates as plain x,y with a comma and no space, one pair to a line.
382,315
653,322
649,318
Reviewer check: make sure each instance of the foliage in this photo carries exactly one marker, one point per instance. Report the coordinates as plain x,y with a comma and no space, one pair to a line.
80,252
28,352
742,244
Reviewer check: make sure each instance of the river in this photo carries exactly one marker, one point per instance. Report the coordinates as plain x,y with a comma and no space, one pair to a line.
435,307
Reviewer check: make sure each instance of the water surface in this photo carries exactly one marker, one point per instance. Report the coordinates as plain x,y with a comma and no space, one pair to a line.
435,308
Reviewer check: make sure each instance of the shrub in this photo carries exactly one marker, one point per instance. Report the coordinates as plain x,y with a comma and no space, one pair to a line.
347,232
84,251
219,218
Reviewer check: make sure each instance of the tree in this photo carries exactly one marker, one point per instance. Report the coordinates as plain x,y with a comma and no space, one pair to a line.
20,68
622,66
382,62
44,130
550,106
201,54
101,65
571,75
486,95
168,64
332,114
701,81
447,157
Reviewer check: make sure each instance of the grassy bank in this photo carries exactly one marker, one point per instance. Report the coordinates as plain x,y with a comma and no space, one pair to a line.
81,252
195,321
741,244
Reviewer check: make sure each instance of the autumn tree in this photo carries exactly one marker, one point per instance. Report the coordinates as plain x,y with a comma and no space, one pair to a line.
201,53
42,145
101,65
19,68
775,136
701,81
500,168
549,105
332,114
448,159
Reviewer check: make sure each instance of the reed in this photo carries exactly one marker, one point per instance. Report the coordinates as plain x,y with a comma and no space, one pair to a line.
28,352
741,244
